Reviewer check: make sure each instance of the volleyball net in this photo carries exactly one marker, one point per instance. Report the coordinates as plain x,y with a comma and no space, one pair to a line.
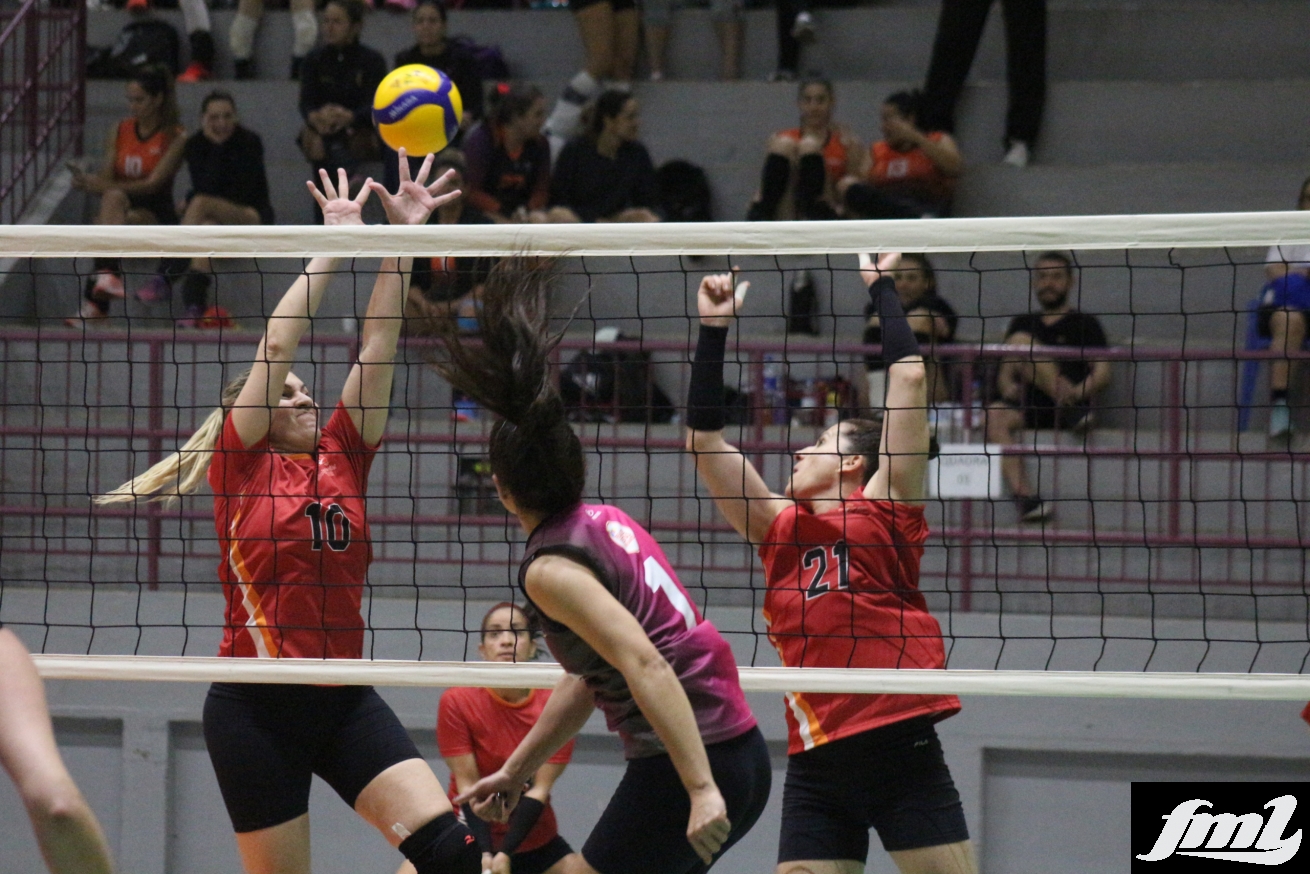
1168,558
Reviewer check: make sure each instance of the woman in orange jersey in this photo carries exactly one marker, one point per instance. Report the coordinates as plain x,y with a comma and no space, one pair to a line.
910,173
291,517
805,163
135,183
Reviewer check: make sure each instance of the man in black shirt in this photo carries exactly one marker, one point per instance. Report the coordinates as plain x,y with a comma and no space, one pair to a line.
1036,392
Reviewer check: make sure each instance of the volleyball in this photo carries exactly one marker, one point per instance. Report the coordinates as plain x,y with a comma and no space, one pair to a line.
417,108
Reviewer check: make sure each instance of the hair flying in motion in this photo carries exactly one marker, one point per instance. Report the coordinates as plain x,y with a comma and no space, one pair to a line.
534,453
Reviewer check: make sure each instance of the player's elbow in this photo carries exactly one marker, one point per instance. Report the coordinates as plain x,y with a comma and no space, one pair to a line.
909,374
703,441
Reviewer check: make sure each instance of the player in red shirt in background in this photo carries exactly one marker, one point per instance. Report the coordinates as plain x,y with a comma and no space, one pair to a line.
841,550
910,172
478,729
289,507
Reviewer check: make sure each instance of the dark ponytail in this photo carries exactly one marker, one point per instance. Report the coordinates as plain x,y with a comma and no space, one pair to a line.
535,455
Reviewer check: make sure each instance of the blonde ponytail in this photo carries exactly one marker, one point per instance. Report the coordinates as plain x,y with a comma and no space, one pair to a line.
182,472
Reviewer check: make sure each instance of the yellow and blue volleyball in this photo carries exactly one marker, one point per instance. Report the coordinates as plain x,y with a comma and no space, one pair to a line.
417,108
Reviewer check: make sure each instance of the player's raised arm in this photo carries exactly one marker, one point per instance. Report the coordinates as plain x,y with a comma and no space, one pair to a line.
903,452
367,392
737,487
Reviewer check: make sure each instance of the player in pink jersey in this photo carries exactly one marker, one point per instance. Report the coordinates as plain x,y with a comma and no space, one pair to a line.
841,548
615,617
290,514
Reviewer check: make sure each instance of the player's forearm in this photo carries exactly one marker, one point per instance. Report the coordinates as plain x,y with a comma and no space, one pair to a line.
663,701
386,308
568,709
291,317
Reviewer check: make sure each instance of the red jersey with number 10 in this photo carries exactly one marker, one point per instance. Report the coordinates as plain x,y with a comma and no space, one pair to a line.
295,543
843,592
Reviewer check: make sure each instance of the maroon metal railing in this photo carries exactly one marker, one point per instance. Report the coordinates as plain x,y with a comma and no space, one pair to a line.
1168,500
42,97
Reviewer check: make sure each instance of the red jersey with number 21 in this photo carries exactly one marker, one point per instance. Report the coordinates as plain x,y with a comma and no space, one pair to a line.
481,723
843,592
295,543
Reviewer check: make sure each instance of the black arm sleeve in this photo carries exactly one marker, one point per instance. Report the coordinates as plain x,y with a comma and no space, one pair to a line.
898,340
521,821
705,392
481,830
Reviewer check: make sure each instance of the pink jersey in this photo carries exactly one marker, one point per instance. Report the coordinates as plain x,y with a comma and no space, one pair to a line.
630,564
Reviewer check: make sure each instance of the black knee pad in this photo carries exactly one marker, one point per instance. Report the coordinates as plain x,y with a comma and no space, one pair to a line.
443,846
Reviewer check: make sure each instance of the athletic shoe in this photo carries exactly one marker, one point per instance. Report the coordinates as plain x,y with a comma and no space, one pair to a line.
245,69
157,288
138,5
108,284
400,5
802,29
1083,424
1017,156
86,313
195,72
215,318
1033,509
1280,421
783,76
194,316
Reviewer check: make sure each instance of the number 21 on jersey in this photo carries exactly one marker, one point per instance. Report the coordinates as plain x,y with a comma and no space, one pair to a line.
816,561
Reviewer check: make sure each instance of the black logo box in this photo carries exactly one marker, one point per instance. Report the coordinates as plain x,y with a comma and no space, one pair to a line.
1153,804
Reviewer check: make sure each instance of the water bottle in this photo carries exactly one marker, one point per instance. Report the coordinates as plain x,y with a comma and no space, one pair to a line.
775,394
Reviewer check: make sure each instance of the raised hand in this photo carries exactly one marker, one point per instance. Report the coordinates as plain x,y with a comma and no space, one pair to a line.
415,200
339,208
718,299
871,271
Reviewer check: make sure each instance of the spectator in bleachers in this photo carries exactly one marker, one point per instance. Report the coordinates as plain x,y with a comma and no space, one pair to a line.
1284,303
432,48
959,29
606,175
443,287
1045,393
610,34
241,35
795,27
804,164
508,175
932,319
657,16
229,186
135,181
337,82
910,173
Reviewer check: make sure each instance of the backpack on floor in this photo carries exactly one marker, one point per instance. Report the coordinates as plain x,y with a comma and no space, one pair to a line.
139,43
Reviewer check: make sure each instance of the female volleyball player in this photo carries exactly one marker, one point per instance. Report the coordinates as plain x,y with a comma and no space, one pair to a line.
293,528
841,549
478,729
67,831
616,618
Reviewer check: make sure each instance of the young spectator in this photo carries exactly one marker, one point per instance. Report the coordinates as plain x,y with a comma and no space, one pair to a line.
228,187
336,92
443,287
727,17
432,48
1045,393
795,27
241,35
607,175
1284,302
930,317
911,173
805,164
135,182
959,28
508,158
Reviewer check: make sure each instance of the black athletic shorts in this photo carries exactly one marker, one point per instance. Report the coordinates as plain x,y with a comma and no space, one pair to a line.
160,205
266,742
538,861
893,779
644,828
617,5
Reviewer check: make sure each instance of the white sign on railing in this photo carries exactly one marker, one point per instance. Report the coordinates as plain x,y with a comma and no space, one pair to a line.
966,470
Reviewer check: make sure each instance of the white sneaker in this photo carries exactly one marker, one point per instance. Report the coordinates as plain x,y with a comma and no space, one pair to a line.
1018,155
1280,421
802,29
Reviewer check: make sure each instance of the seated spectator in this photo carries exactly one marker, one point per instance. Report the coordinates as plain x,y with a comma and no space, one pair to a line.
452,58
241,35
1045,393
607,175
443,287
337,82
1284,302
508,175
228,187
804,164
135,182
932,320
910,173
656,17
